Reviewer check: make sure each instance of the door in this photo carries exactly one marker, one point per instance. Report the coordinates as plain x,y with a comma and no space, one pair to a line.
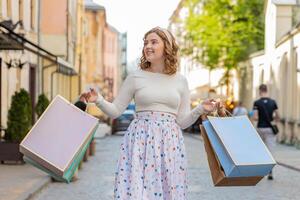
32,88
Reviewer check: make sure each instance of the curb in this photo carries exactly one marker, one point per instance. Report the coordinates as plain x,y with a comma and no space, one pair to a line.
36,189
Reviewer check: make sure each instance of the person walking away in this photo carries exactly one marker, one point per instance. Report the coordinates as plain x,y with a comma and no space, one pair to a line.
264,109
239,110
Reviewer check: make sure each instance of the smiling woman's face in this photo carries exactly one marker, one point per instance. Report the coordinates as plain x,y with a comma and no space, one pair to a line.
153,48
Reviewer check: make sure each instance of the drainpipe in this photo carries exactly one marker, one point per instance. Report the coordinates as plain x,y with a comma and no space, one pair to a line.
0,96
80,75
70,93
40,74
52,74
67,32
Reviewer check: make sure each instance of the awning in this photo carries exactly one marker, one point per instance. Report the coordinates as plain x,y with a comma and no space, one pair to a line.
9,40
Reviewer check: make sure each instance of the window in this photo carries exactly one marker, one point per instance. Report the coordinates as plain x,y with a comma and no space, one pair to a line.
295,15
262,76
8,6
297,64
21,9
32,13
1,14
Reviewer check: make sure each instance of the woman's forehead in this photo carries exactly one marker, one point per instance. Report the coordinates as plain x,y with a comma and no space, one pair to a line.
152,36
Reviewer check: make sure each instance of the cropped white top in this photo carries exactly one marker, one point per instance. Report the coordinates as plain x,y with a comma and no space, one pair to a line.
154,92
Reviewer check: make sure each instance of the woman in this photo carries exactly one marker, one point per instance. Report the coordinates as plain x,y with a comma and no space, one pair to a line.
152,164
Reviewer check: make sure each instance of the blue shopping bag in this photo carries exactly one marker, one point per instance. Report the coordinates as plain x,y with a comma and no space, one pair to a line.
238,146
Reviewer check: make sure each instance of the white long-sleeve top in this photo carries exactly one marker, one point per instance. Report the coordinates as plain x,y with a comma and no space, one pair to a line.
154,92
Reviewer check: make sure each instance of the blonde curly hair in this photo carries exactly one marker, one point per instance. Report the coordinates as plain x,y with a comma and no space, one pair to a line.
170,51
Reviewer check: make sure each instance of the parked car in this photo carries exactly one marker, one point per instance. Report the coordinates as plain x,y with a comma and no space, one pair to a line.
122,123
131,106
195,127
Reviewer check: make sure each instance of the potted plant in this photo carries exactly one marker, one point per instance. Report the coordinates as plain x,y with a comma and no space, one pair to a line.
18,124
41,105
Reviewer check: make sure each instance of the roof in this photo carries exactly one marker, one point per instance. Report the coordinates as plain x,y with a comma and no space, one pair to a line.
113,29
285,2
91,5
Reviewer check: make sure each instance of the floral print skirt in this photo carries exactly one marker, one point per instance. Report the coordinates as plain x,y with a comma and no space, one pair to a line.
152,162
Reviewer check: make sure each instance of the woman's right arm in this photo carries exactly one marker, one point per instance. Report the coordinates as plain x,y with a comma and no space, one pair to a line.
122,100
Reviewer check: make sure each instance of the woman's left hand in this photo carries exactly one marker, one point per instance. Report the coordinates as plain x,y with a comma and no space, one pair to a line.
210,105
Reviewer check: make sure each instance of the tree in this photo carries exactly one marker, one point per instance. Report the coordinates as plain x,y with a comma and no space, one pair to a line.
223,32
19,116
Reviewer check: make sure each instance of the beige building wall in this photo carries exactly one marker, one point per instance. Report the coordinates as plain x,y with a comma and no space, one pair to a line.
79,49
101,57
111,59
93,54
61,34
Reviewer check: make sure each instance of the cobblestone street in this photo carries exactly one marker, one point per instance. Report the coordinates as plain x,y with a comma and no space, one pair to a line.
97,177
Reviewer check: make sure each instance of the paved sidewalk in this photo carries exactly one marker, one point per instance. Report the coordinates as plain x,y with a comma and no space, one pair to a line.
96,179
287,155
20,182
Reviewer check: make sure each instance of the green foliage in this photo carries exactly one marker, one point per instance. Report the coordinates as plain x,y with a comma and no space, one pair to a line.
41,105
19,116
223,32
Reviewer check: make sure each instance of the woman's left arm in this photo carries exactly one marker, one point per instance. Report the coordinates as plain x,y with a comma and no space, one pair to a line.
186,116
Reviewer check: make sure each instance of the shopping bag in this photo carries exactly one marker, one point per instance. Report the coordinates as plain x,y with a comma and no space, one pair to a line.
58,138
217,172
68,174
238,146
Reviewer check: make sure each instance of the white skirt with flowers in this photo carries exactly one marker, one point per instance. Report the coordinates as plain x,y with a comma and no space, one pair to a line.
152,163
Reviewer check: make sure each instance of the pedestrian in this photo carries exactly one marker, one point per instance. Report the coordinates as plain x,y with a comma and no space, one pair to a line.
81,103
152,162
264,110
239,110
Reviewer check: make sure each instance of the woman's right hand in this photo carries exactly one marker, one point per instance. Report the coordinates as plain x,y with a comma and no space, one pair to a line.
92,96
83,97
210,105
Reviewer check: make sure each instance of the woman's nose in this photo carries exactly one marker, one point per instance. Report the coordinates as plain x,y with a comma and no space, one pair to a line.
148,46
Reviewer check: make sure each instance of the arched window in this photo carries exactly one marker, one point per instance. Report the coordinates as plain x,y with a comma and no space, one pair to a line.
297,64
262,74
283,100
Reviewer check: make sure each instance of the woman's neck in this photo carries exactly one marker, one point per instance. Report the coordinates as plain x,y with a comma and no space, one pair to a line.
157,67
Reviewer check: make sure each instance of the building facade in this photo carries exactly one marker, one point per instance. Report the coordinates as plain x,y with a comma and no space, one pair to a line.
37,49
104,56
278,66
18,67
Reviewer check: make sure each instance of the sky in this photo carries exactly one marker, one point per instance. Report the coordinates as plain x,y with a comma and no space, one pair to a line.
136,17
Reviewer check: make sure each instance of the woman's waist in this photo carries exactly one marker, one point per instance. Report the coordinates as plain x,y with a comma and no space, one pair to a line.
156,115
